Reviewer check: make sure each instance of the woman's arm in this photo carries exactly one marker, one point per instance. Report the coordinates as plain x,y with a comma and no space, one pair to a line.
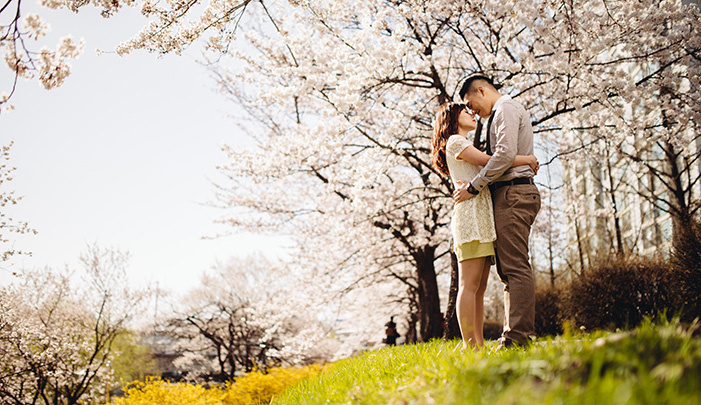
530,160
477,157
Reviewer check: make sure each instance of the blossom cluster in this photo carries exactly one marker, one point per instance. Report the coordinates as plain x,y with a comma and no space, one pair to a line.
18,42
9,225
51,67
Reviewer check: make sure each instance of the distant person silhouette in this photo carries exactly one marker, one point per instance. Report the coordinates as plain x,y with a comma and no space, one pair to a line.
391,332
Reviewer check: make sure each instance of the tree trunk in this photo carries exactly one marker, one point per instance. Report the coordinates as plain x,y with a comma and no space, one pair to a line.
680,230
452,328
680,210
411,330
579,245
551,257
620,250
430,318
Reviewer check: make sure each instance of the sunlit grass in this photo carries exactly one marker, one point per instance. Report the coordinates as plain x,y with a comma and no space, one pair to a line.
654,364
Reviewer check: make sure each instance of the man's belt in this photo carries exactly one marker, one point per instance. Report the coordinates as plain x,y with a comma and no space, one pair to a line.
519,180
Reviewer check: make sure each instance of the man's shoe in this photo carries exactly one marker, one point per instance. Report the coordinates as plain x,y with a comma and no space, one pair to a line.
504,343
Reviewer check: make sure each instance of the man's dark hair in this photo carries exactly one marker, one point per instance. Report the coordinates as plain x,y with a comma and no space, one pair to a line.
468,84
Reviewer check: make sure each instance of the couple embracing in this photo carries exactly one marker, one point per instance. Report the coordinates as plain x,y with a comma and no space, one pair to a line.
496,202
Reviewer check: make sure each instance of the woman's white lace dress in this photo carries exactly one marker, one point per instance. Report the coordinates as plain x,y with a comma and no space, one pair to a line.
473,219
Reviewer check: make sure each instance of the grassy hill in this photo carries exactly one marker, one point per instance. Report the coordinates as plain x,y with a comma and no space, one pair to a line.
653,364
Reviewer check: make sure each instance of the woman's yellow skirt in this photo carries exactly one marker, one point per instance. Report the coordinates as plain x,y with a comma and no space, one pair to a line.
474,249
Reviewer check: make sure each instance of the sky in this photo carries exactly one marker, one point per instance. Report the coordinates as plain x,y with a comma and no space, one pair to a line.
124,156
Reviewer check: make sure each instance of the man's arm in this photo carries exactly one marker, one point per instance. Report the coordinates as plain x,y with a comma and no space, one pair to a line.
505,124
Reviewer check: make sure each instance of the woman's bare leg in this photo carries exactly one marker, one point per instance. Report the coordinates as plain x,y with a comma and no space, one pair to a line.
470,276
479,304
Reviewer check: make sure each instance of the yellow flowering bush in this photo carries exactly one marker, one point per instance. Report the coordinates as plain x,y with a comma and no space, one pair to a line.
253,388
258,388
155,391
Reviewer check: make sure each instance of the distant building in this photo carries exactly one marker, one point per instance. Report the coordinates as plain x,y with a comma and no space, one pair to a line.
608,208
164,353
609,214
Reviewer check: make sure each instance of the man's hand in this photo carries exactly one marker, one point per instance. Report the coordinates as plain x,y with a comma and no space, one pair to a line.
460,194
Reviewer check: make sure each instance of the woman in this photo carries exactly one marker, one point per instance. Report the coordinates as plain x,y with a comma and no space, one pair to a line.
473,220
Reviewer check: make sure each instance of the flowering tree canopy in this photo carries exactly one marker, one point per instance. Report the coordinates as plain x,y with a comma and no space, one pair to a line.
346,94
56,338
244,316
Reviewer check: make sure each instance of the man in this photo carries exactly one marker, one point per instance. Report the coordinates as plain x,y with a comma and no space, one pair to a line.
515,198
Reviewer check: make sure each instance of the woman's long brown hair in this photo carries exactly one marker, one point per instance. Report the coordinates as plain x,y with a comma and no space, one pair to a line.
445,124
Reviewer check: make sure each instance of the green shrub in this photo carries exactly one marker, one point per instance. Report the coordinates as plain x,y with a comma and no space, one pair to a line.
619,293
133,360
686,263
548,316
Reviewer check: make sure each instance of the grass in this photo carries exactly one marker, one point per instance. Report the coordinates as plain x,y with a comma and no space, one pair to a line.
653,364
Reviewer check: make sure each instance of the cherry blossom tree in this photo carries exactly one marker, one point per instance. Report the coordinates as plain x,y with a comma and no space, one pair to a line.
56,337
244,316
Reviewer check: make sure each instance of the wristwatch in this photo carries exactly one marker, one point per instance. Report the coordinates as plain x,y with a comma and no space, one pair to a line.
472,190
